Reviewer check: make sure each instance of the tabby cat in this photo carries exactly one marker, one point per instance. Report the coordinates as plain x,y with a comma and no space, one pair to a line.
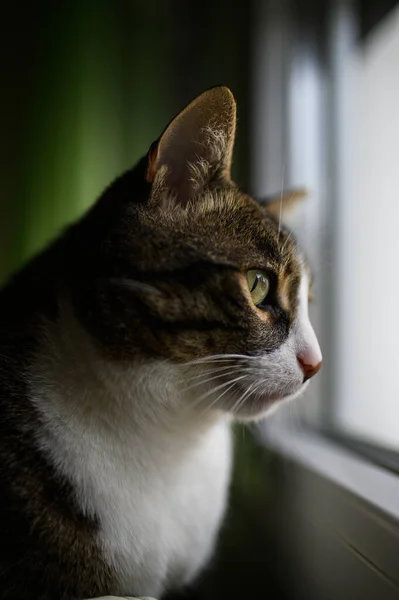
175,305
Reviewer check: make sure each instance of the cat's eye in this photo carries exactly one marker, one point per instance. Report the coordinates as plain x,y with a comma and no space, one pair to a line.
259,285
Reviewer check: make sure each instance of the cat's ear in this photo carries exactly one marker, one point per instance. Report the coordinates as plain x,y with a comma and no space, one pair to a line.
195,147
282,204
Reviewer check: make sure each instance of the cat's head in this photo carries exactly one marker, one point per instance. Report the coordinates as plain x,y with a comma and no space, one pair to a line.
184,266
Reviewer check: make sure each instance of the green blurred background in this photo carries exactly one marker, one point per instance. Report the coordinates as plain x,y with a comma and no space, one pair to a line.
87,86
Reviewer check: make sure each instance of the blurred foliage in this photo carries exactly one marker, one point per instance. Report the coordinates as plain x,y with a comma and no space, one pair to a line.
87,87
83,108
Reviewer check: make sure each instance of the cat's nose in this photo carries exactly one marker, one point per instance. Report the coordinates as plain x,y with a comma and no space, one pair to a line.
310,364
308,352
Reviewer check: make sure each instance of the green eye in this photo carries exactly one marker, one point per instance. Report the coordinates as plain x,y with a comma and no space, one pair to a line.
259,285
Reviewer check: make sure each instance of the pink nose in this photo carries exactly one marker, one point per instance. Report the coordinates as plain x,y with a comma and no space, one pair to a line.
308,367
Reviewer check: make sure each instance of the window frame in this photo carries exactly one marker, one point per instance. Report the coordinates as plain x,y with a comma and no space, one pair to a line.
355,483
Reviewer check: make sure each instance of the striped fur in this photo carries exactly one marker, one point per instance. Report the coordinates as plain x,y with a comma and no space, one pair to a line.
127,347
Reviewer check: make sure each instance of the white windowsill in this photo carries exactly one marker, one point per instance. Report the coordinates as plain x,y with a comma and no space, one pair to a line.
370,482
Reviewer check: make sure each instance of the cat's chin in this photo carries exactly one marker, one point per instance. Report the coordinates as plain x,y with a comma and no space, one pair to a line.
264,405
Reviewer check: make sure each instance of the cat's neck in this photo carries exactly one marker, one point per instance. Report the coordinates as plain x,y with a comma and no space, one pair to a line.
152,470
73,385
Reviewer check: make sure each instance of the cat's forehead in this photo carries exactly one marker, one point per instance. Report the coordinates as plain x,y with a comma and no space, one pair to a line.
230,225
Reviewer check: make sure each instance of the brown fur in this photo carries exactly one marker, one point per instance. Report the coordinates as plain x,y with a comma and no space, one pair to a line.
156,269
193,256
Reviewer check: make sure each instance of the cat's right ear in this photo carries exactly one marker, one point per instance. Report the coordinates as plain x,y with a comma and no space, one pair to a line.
195,147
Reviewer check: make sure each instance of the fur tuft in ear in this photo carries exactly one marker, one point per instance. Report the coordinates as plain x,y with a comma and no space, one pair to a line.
283,203
195,147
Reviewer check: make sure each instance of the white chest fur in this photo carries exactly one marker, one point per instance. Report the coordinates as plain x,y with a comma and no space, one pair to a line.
156,480
159,518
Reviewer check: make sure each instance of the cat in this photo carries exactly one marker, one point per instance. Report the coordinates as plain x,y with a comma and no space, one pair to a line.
175,305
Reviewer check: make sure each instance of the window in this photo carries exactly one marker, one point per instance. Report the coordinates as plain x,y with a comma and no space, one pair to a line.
327,102
339,139
368,240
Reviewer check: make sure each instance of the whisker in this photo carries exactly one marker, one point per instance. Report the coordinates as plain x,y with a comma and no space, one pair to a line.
219,387
218,357
207,372
242,397
246,395
221,370
214,402
215,389
209,379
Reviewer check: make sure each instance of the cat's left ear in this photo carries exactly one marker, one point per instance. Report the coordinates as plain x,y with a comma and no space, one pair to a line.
282,204
195,147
